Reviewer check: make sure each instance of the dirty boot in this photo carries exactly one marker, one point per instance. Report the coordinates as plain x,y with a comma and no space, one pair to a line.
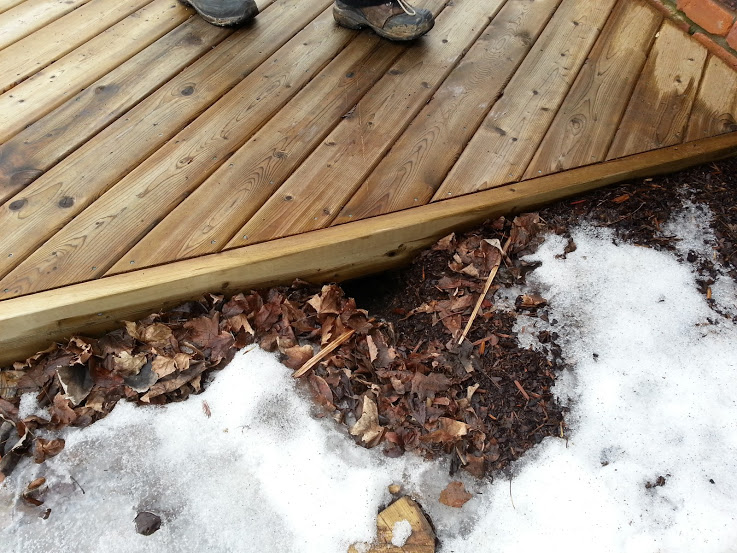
394,19
224,13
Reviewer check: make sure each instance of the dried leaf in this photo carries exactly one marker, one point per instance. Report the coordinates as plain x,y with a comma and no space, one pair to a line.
298,355
448,431
455,495
126,364
367,427
44,449
61,413
164,366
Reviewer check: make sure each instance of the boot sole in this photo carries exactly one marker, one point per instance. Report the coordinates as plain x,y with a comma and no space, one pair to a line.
226,21
346,18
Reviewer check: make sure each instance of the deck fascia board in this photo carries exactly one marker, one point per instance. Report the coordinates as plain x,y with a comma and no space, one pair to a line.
29,323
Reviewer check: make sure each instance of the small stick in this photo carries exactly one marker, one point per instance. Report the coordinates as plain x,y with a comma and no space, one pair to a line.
489,280
521,389
314,360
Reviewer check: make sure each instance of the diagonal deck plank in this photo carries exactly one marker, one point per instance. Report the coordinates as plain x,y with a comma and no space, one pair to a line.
415,167
715,107
5,5
584,127
44,143
352,150
31,54
213,213
658,111
516,124
31,15
46,205
36,96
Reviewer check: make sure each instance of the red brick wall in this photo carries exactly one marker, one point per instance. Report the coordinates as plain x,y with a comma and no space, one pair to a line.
712,22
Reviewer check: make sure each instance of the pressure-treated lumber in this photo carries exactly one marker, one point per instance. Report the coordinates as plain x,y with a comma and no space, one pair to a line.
50,87
5,5
373,244
502,148
421,540
52,200
715,107
31,54
353,149
584,127
658,111
209,217
37,148
413,170
31,15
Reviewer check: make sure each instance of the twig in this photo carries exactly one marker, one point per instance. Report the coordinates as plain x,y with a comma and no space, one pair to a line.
78,484
489,280
522,390
314,360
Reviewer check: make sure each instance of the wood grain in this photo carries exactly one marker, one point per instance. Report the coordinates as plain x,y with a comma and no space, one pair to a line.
715,107
28,324
50,87
5,5
506,141
30,16
38,147
658,111
209,217
32,216
318,189
94,240
584,127
417,164
31,54
421,540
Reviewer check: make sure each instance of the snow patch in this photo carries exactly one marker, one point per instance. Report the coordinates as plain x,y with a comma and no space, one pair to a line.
401,531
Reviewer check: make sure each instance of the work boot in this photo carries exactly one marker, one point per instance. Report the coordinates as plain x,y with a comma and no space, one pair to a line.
392,19
224,13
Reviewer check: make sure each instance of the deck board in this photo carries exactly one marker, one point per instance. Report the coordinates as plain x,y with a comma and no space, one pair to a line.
147,157
660,106
584,127
29,16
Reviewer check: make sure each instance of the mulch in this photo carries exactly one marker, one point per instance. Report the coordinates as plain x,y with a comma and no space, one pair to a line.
382,355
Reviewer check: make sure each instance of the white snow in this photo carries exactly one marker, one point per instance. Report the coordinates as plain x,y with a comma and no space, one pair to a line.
401,531
651,393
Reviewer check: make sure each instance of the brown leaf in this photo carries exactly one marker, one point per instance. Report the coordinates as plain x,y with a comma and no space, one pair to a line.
297,356
529,301
203,330
156,335
426,386
126,364
446,244
37,483
448,431
367,427
239,322
61,413
164,366
323,393
174,381
455,495
44,449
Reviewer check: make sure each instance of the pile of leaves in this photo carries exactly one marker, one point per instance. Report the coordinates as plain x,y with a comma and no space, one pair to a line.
481,400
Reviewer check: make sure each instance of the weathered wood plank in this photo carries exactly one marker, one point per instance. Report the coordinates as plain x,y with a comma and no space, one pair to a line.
210,216
715,107
658,111
30,16
50,87
5,5
31,54
584,127
31,217
417,164
28,324
318,189
37,148
506,141
96,238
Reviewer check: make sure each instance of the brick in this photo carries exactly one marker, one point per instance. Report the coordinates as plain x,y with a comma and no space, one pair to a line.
712,16
716,49
732,37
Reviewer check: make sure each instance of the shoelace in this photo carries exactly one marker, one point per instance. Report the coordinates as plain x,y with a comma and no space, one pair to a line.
409,10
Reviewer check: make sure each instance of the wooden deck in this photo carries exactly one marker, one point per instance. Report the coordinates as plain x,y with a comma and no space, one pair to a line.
147,157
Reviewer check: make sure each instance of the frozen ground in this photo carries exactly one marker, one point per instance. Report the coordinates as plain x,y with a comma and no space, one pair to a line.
651,391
